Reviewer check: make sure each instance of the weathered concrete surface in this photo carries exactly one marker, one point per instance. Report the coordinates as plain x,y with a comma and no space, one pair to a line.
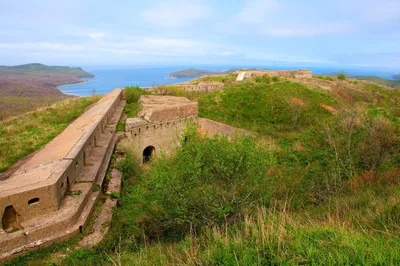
275,73
102,222
160,124
53,176
211,128
163,108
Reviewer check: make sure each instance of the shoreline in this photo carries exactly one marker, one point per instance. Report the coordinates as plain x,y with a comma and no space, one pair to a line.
81,82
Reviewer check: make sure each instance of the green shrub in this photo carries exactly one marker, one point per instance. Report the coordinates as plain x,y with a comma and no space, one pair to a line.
324,78
341,76
210,181
275,79
133,94
266,79
128,166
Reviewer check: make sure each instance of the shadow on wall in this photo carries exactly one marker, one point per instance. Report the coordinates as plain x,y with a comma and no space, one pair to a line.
148,154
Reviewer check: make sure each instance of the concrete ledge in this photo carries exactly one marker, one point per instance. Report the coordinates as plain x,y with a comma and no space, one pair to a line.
70,212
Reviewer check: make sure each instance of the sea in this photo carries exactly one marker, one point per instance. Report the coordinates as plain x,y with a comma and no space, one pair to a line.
108,78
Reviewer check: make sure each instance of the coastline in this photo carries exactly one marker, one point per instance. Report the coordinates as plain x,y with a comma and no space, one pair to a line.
67,84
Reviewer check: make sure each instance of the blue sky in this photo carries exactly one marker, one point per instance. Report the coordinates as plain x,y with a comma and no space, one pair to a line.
340,33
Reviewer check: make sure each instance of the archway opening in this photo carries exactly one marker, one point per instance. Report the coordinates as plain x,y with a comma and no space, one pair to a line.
10,219
148,154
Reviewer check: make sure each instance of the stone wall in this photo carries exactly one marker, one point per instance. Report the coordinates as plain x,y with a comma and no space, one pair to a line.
163,136
40,185
275,73
201,87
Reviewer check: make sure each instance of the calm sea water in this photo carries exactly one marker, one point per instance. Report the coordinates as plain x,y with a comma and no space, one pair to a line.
108,78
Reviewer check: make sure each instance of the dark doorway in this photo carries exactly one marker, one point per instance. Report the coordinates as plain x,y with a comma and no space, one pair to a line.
10,219
148,154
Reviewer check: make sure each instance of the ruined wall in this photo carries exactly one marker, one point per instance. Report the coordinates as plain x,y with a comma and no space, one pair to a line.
201,87
275,73
163,136
49,181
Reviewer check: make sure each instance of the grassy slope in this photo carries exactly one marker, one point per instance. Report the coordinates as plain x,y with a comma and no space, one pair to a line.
23,135
28,87
385,82
314,215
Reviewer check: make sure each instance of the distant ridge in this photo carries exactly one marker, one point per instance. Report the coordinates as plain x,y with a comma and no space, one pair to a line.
27,87
37,68
195,73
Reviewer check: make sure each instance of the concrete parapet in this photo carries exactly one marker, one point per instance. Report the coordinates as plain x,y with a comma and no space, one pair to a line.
35,205
275,73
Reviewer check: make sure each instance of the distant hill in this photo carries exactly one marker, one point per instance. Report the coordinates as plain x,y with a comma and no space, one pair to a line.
27,87
379,80
396,76
375,79
195,73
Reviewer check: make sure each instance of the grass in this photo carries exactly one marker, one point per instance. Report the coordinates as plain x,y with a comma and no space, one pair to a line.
301,192
324,78
222,78
272,237
25,134
132,106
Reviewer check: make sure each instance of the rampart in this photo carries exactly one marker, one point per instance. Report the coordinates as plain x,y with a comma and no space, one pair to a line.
275,73
48,197
158,127
201,87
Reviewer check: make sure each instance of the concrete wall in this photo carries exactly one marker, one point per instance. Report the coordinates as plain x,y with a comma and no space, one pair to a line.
201,87
275,73
163,136
50,193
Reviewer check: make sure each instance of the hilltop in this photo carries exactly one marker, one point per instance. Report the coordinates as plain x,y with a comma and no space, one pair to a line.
195,73
374,79
27,87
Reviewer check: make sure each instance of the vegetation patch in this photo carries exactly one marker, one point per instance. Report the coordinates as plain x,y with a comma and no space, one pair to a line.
21,136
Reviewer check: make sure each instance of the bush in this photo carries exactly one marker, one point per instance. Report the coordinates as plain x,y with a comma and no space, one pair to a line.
341,76
275,79
210,181
265,79
324,78
128,167
133,94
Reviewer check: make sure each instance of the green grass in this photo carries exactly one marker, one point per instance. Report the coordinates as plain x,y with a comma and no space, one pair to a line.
324,78
304,190
222,78
266,108
23,135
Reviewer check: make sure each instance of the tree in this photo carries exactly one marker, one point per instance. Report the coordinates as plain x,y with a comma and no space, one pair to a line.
341,76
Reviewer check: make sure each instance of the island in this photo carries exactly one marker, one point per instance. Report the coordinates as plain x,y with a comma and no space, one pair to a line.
396,76
195,73
28,87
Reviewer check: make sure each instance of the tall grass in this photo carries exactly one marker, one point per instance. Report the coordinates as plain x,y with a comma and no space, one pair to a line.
273,237
27,133
315,187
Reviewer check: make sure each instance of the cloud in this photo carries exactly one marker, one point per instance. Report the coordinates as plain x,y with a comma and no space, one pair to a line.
271,18
257,11
96,35
309,31
43,46
175,15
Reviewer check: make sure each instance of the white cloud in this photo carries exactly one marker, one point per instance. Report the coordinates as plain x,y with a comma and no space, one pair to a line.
287,19
43,46
96,35
257,11
309,31
174,15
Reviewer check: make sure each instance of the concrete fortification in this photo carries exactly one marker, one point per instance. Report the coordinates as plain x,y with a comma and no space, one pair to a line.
50,197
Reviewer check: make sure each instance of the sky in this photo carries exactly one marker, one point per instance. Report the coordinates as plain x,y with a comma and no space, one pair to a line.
340,33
